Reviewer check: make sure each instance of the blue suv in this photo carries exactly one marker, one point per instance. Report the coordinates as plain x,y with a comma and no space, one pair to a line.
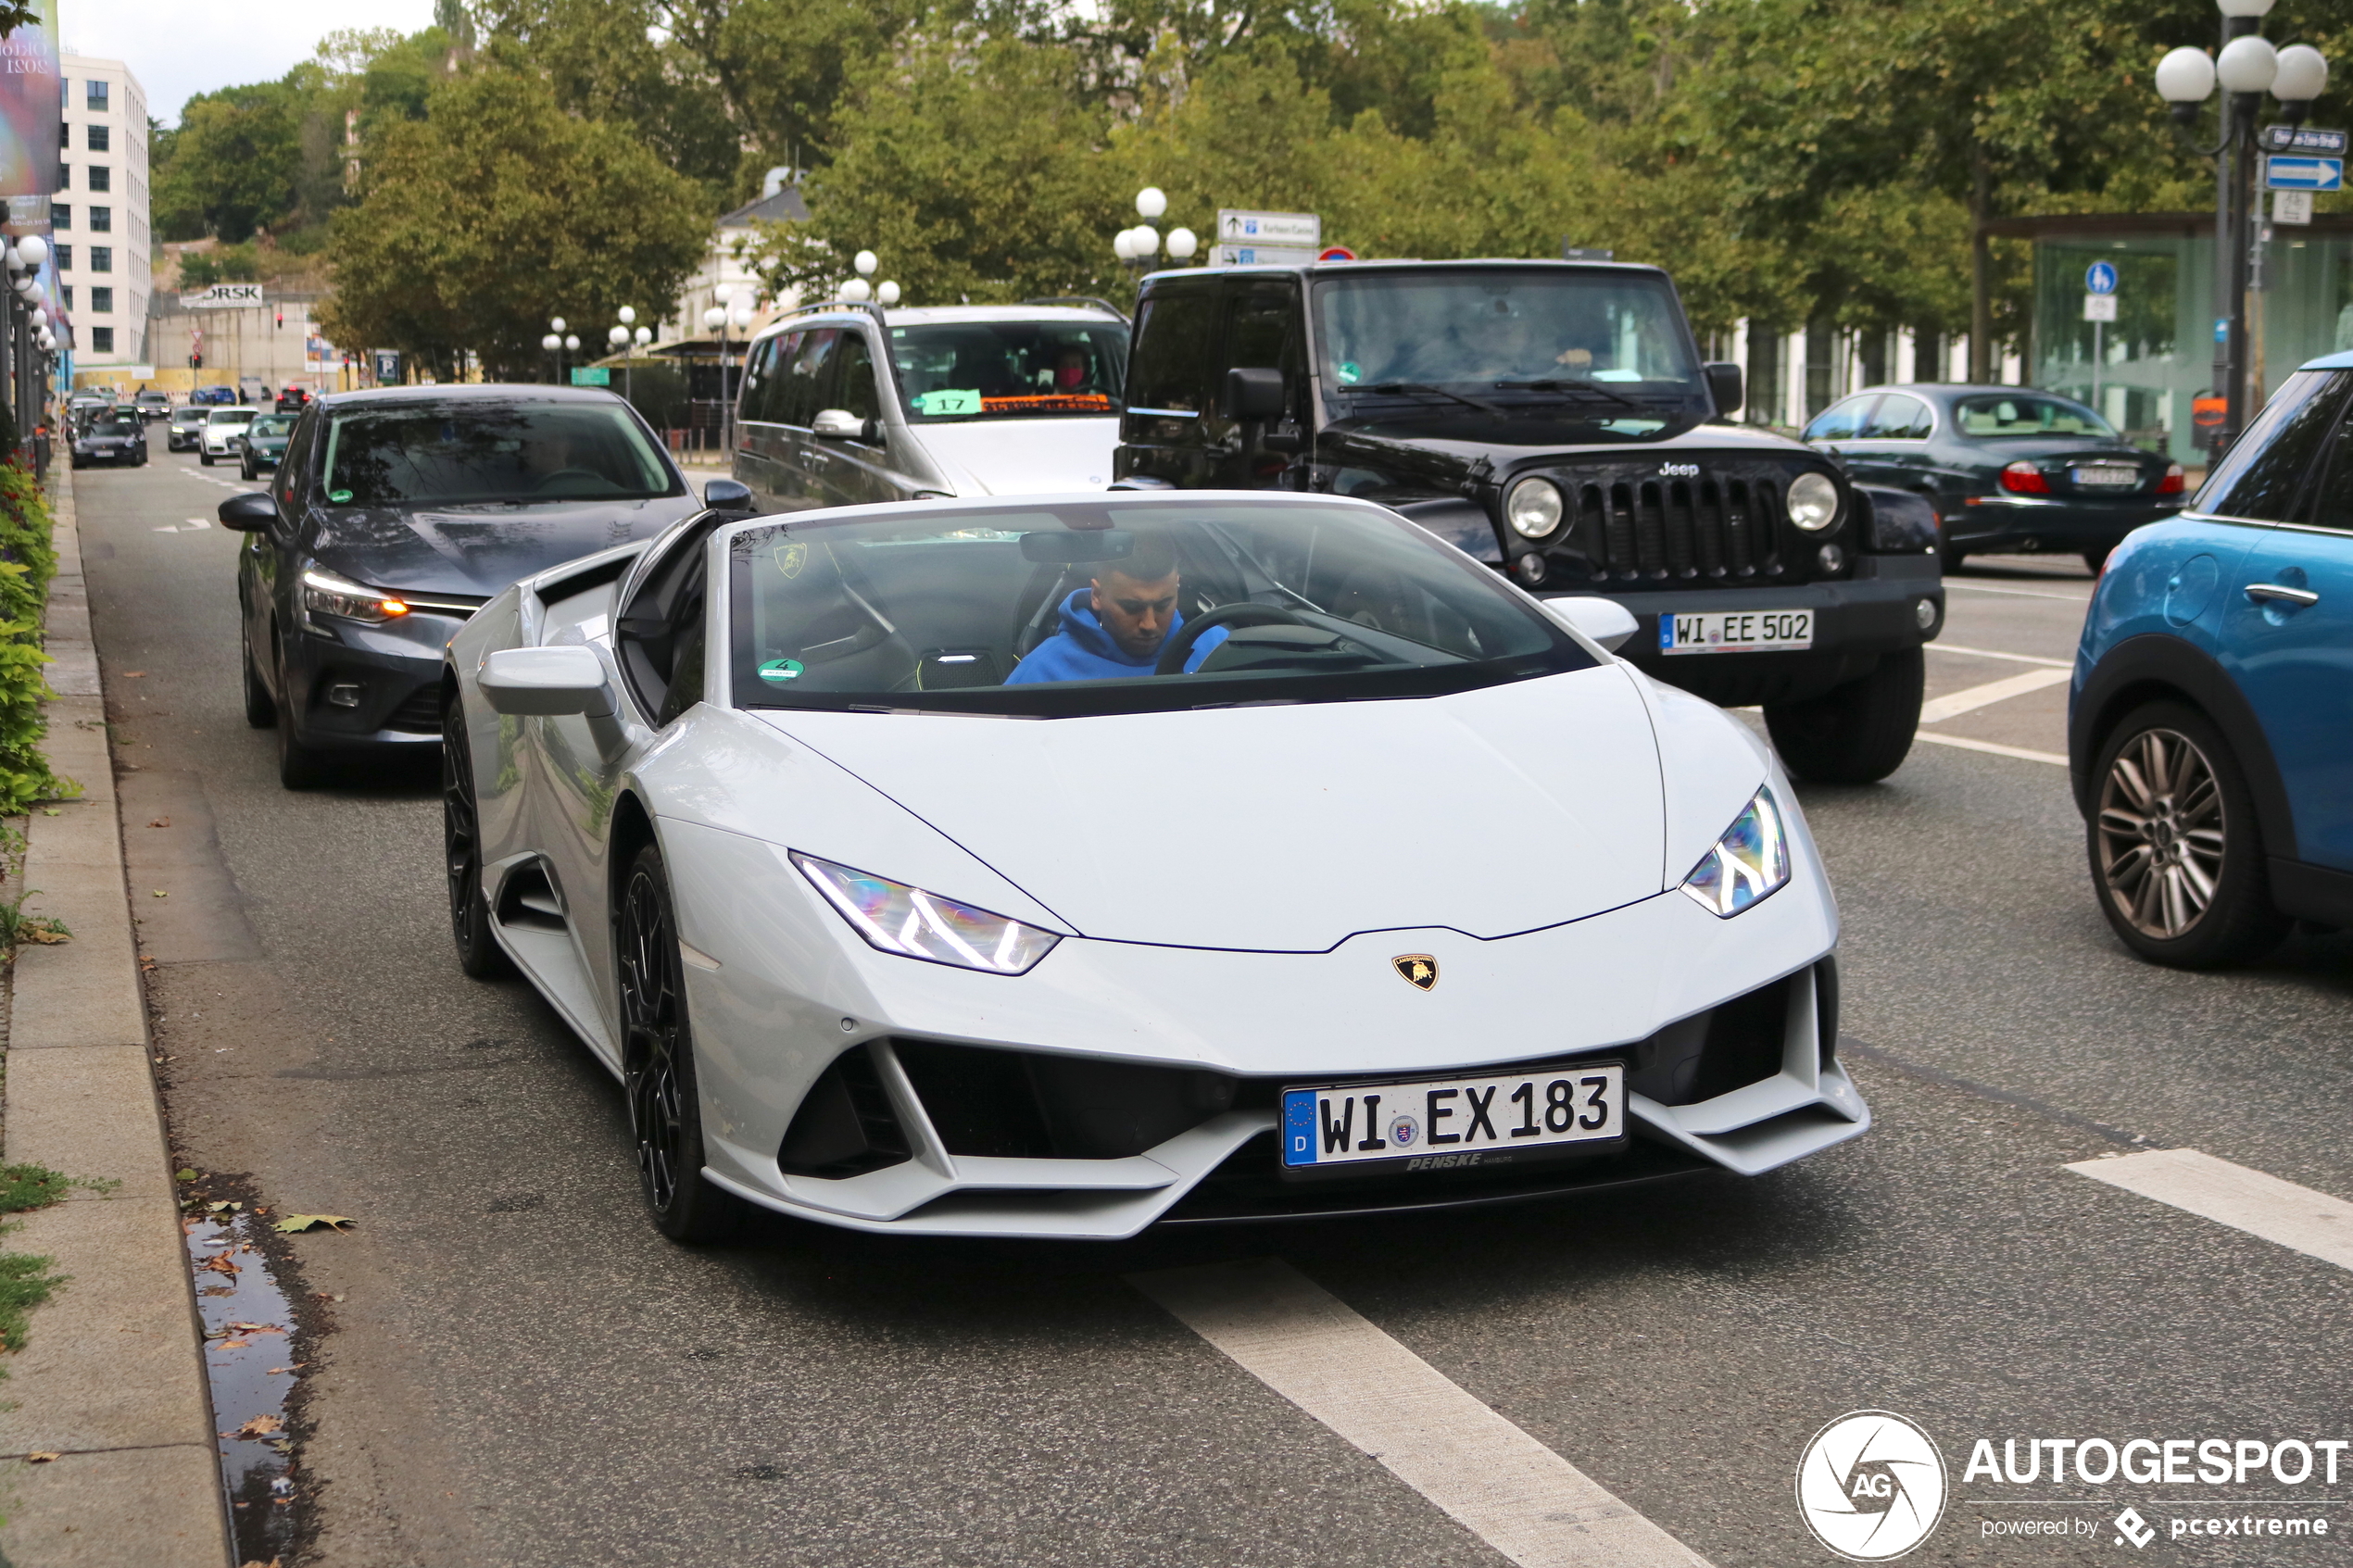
2210,723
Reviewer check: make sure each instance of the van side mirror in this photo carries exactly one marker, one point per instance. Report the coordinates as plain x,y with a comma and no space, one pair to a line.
840,424
1254,393
249,513
1724,385
727,496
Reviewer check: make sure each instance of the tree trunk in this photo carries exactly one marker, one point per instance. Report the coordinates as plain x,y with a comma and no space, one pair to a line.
1981,259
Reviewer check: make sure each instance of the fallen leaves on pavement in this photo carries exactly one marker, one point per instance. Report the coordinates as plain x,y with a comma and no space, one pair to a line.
293,1223
220,1263
42,1458
260,1426
160,822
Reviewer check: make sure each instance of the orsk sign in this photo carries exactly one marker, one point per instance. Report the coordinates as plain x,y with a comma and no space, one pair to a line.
224,296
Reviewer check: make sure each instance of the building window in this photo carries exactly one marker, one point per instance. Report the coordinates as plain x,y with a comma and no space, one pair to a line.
99,138
60,216
102,302
64,292
102,340
65,257
96,96
102,221
102,257
65,177
101,176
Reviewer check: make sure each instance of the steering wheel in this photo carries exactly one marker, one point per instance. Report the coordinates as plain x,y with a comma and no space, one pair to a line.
1234,616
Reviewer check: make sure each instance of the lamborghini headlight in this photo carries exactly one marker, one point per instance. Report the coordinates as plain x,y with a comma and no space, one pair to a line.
1749,862
917,924
323,593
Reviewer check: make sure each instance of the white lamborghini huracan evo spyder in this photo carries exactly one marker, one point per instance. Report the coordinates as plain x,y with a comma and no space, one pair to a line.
1060,866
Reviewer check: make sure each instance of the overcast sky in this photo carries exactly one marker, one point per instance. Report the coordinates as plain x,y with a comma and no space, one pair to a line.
180,48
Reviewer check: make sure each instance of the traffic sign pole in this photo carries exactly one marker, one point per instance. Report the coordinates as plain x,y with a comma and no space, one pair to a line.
2099,308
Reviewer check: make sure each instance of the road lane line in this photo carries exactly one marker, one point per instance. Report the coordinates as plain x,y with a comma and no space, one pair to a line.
2296,1217
1996,653
1941,708
2021,592
1490,1477
1965,743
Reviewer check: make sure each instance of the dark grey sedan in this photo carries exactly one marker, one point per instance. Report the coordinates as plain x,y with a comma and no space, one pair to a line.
394,515
2007,468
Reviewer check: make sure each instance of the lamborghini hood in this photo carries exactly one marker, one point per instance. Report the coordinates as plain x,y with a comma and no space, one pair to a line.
1287,829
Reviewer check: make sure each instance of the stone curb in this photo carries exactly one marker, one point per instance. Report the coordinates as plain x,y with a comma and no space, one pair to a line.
112,1379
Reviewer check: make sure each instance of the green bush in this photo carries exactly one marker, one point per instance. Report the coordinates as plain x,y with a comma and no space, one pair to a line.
27,559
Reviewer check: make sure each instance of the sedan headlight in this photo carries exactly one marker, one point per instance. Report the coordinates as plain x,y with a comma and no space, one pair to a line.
1749,862
1533,507
1813,502
325,594
917,924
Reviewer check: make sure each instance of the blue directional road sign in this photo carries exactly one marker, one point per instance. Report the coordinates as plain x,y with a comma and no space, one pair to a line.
2283,173
2099,278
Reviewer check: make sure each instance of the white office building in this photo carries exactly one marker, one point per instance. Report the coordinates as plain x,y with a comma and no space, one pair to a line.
104,246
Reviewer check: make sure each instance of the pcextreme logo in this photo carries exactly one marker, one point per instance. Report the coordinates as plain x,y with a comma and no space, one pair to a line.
1871,1486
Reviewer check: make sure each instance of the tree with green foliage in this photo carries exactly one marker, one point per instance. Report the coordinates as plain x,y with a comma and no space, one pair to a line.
499,210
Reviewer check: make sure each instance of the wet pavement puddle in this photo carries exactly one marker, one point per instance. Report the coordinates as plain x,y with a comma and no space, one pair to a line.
251,1359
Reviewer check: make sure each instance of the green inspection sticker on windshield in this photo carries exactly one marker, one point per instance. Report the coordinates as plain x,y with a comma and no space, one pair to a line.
780,670
339,496
962,401
1351,372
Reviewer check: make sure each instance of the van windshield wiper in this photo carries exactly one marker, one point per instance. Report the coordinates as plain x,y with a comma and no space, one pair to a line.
1594,387
1419,389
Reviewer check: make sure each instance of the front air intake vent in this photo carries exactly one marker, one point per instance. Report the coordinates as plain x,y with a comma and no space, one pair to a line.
845,1127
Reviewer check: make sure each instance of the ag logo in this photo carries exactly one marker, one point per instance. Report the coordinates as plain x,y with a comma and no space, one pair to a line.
1418,969
1871,1486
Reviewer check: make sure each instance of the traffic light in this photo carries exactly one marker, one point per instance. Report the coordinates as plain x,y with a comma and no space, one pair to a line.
281,315
195,362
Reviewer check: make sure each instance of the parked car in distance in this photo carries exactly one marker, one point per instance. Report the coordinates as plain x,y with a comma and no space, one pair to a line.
265,442
185,431
2210,725
292,398
153,405
844,405
115,436
2007,470
223,429
346,600
211,395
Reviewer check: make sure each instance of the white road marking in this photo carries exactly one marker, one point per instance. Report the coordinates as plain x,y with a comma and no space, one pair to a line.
1996,653
1937,710
1965,743
2021,593
167,528
1493,1478
2296,1217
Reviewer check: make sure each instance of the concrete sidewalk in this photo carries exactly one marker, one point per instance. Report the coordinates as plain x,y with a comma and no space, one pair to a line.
112,1379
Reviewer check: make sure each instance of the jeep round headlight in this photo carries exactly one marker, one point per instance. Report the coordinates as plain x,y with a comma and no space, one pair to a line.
1534,507
1813,502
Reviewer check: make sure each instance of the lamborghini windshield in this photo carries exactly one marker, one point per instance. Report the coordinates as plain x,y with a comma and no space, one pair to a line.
1090,607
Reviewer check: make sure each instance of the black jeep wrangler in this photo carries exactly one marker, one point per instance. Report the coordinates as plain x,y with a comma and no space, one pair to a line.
1555,420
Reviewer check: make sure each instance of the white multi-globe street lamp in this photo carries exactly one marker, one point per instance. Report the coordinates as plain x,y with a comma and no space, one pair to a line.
2245,67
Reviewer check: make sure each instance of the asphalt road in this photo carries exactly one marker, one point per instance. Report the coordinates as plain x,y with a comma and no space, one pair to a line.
514,1369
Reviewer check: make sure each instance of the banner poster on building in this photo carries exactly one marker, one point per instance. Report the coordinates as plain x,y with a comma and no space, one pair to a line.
29,110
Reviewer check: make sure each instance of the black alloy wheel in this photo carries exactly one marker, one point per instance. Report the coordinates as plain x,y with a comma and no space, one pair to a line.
2176,857
658,1064
478,951
300,766
261,709
1855,733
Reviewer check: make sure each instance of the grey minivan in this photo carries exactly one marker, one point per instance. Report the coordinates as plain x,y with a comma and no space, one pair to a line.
844,405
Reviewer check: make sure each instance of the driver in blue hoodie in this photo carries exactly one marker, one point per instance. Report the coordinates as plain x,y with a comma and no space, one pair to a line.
1117,624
